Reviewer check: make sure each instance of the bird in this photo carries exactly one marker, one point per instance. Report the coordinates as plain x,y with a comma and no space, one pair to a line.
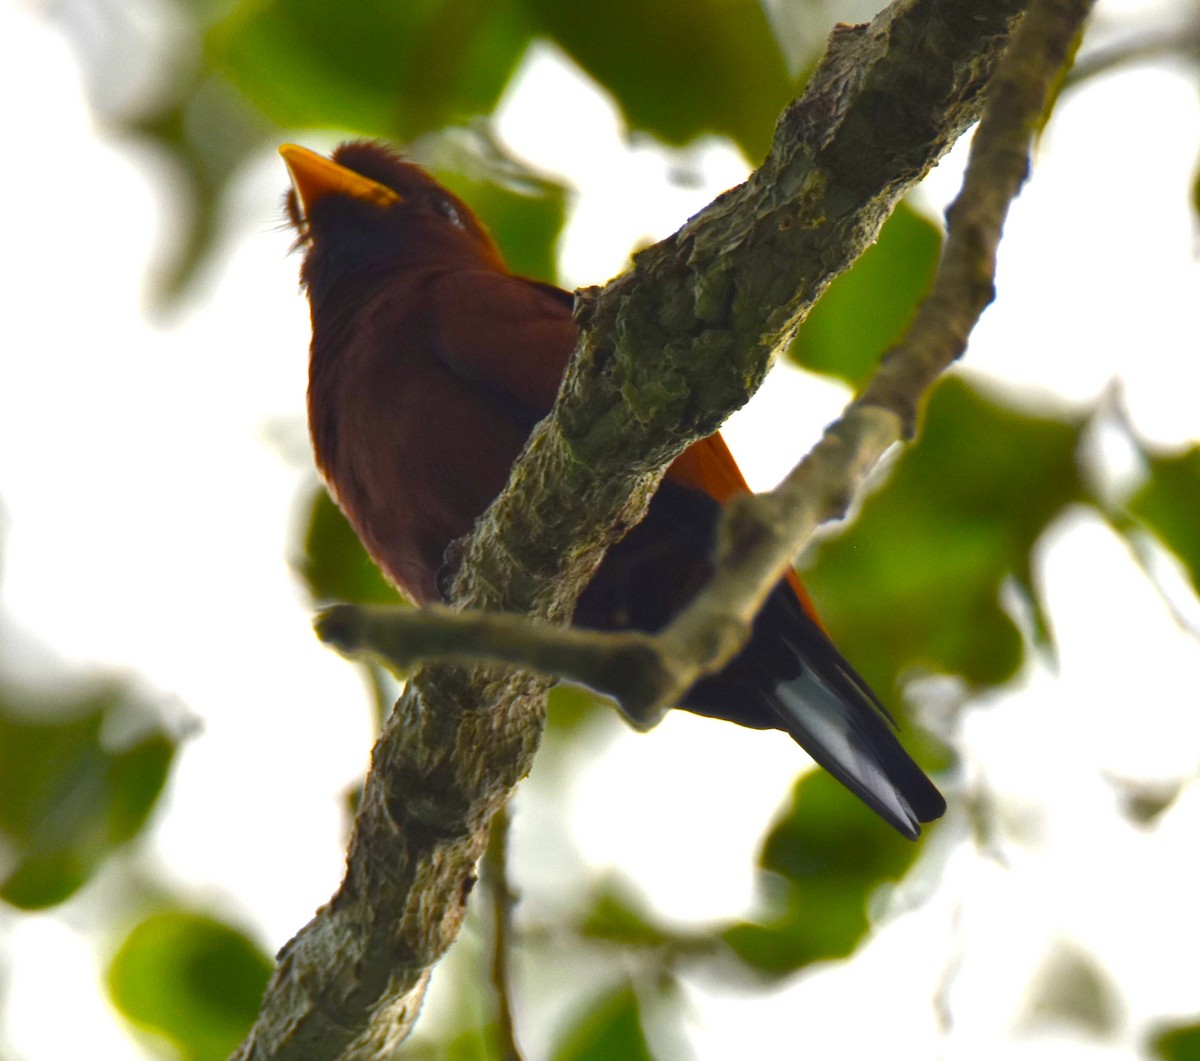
429,366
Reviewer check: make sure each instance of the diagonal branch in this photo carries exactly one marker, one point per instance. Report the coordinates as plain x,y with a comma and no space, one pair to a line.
761,535
667,351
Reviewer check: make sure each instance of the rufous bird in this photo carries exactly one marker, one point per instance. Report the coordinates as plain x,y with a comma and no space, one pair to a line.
430,365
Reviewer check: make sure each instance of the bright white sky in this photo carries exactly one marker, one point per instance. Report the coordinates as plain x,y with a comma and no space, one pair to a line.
149,473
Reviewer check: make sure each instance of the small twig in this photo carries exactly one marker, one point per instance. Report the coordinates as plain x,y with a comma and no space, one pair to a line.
631,666
502,899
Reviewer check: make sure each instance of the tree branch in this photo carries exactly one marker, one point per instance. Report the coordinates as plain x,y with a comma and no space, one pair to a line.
631,667
667,351
762,534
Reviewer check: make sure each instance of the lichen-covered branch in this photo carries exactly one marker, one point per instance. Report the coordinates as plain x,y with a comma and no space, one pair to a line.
761,535
667,351
629,666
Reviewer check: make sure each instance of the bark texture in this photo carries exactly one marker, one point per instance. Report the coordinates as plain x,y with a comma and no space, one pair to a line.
668,350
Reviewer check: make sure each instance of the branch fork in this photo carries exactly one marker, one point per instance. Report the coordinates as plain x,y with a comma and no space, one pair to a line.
698,320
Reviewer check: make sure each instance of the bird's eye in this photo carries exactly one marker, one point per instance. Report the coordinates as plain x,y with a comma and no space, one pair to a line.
448,210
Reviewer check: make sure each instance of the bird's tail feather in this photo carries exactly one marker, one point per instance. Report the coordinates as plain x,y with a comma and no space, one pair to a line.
829,710
851,739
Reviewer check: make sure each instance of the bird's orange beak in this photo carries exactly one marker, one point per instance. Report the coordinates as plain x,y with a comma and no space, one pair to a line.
315,176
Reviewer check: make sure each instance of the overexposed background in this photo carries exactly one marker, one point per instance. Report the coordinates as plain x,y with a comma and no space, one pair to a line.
177,447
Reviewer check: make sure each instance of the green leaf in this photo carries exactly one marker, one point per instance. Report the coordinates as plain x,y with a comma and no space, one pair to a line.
192,979
334,565
1180,1043
470,1044
571,707
610,1028
916,580
833,853
386,69
866,309
70,792
525,224
1168,504
42,880
614,916
679,70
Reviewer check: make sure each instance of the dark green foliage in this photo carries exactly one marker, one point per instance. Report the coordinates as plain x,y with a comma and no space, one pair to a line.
401,70
191,979
1180,1043
679,70
832,854
335,568
570,708
615,916
916,580
392,70
72,788
404,70
334,565
524,221
472,1044
915,583
611,1027
1168,504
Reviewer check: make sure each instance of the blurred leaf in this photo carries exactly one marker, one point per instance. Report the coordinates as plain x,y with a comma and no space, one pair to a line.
610,1028
679,70
207,132
192,979
334,565
71,792
201,126
42,880
916,580
866,309
614,916
1071,989
470,1044
571,707
1181,1043
833,853
1144,802
386,69
1168,504
525,224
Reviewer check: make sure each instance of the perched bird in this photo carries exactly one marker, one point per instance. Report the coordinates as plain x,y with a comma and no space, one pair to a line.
430,364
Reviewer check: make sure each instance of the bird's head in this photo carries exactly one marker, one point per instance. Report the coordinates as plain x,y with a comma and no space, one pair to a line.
369,211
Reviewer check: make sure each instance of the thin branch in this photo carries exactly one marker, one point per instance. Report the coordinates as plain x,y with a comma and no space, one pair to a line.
667,351
761,535
632,667
502,899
